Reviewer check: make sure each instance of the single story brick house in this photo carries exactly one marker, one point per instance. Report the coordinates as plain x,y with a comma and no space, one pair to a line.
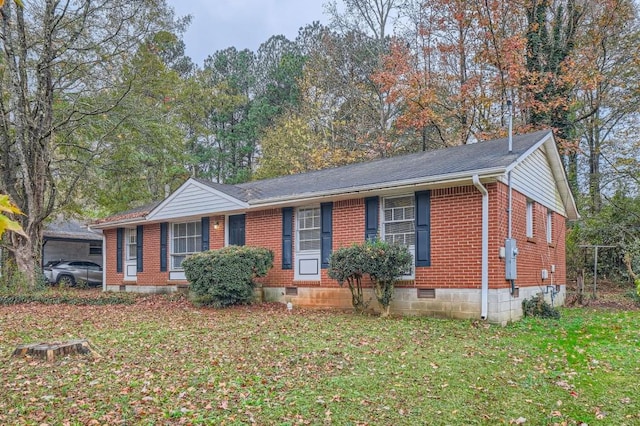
475,257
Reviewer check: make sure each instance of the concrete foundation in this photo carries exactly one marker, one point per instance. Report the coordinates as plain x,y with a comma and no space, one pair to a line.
443,303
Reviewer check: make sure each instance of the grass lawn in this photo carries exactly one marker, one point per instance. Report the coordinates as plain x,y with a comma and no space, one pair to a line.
165,362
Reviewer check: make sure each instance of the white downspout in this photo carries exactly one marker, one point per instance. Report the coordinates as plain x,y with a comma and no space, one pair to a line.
484,291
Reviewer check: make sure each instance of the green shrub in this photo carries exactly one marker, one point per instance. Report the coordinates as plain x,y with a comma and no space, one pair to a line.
346,265
383,262
538,307
225,277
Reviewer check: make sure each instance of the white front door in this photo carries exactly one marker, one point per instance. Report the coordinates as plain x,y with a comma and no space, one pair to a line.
307,264
130,266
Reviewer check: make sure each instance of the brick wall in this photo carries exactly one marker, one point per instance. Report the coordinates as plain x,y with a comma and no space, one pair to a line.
112,276
151,274
535,253
456,242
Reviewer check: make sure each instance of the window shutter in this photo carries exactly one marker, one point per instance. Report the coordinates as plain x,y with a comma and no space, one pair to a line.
139,235
287,241
371,210
326,233
119,245
164,227
204,228
423,228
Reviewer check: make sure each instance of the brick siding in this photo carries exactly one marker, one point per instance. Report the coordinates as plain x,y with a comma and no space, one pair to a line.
456,242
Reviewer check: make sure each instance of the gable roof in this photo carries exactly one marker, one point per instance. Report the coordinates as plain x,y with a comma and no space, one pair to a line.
488,160
491,157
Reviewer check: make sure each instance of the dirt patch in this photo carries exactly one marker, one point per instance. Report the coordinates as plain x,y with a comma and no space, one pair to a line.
609,296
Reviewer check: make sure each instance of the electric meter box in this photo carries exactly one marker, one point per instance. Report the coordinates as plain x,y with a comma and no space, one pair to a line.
510,255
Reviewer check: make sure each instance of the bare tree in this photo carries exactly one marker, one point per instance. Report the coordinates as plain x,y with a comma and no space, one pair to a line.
60,66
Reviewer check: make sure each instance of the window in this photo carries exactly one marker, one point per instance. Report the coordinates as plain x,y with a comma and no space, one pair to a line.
549,226
529,219
308,229
95,247
398,223
186,239
131,243
399,220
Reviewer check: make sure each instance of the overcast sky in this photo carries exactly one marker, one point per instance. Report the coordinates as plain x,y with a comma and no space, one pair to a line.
218,24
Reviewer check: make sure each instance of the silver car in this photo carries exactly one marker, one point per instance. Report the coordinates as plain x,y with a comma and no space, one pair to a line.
69,272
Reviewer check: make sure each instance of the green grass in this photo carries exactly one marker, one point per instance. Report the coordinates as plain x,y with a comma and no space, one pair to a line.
166,362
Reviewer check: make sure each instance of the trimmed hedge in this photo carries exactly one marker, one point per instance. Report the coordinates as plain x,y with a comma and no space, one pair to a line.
69,299
382,261
226,276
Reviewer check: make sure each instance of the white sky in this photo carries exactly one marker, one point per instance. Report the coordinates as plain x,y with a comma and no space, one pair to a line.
218,24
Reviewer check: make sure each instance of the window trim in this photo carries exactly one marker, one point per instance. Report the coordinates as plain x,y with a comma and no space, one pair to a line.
549,226
529,221
318,229
383,229
130,241
172,237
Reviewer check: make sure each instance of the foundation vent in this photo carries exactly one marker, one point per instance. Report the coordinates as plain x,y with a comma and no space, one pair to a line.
291,291
426,293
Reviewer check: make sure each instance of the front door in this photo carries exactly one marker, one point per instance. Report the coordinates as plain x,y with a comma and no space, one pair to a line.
307,244
130,266
236,230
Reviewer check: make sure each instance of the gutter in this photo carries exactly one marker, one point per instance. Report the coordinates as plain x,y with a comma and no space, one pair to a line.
484,302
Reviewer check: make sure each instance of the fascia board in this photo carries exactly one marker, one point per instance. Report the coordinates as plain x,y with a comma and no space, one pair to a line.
214,192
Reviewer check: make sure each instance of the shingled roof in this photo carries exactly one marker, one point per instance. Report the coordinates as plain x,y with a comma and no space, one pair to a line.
486,159
419,166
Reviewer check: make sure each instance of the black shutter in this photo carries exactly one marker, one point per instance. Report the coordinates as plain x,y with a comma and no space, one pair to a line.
139,236
119,244
164,227
423,228
371,209
205,233
326,230
287,240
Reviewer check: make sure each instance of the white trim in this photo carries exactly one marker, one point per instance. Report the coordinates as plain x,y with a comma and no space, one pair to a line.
305,257
238,204
530,218
382,223
484,280
171,242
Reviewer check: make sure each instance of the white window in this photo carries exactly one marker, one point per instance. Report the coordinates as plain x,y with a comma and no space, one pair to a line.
549,226
131,243
529,219
399,224
308,229
186,239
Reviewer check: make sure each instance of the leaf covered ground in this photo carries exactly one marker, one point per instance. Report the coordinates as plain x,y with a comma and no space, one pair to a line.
163,361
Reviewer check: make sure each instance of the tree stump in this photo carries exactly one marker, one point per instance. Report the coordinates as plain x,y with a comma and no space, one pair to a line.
50,351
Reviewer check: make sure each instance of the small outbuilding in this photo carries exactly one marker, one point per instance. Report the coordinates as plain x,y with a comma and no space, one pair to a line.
485,223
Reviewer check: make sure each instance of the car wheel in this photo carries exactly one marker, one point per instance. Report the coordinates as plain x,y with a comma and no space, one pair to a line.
66,281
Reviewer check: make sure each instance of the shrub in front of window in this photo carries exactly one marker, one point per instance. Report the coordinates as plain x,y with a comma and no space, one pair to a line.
345,265
226,276
382,261
385,263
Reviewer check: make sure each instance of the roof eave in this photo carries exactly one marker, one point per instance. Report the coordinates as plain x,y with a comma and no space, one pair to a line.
110,224
440,180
